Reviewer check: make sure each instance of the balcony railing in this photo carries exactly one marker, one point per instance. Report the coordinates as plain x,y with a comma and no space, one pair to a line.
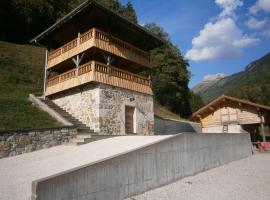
102,40
98,72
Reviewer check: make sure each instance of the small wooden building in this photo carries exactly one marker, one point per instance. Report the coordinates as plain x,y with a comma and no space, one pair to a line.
93,69
232,115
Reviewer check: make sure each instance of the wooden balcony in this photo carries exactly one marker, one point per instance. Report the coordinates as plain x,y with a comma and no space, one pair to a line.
101,73
101,40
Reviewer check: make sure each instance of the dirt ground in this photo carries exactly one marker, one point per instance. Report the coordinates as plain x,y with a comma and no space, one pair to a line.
247,179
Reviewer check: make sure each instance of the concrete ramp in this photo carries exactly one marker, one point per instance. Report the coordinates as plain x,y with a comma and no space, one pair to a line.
18,172
115,168
140,164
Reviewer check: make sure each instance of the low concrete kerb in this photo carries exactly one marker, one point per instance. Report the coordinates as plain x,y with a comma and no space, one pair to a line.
47,109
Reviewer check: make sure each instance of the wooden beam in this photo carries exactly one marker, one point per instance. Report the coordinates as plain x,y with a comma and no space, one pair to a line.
45,74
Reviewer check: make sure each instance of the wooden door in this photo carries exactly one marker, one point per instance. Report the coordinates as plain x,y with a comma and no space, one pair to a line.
129,113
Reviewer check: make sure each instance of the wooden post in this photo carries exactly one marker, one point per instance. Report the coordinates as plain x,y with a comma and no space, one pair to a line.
78,39
262,128
93,70
45,74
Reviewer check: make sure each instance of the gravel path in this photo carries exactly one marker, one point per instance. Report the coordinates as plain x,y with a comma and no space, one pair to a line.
18,172
247,179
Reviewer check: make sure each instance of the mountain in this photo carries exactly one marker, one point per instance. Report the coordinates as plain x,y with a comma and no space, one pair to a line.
209,81
255,77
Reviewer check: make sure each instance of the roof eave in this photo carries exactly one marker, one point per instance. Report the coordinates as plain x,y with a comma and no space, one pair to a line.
80,8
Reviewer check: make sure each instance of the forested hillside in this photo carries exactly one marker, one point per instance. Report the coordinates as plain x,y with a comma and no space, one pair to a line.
253,83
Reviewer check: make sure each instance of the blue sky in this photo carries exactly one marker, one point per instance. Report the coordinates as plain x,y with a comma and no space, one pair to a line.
216,36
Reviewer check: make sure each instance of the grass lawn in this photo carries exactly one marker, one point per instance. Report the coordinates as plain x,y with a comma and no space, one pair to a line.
21,71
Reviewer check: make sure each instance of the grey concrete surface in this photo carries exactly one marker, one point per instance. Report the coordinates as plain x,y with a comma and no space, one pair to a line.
47,109
18,172
246,179
167,126
143,169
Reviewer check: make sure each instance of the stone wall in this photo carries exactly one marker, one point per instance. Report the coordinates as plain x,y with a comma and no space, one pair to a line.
112,110
18,142
102,108
82,103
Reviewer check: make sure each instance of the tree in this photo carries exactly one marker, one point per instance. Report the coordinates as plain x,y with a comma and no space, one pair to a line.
129,13
195,101
170,76
259,93
30,17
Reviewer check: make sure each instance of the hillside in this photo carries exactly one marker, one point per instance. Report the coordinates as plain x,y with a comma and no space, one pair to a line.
202,87
20,74
255,76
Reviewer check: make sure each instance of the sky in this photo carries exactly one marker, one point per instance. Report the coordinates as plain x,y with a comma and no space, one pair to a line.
215,36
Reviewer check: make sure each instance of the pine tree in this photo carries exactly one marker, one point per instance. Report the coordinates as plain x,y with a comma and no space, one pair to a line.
129,13
170,76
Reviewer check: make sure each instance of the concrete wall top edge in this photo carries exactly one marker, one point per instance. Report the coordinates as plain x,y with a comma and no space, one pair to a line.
36,182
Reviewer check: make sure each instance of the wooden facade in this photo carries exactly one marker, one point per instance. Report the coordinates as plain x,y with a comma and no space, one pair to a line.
99,39
98,72
94,44
229,114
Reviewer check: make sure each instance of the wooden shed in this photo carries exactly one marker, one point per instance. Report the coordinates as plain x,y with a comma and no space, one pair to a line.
232,115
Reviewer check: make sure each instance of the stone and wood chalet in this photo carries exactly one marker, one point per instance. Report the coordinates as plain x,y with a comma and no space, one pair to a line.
232,115
93,70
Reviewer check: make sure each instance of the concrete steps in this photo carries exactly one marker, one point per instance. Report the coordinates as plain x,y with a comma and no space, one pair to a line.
84,133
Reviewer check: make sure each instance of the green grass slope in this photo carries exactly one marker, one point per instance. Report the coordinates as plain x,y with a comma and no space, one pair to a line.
256,74
21,71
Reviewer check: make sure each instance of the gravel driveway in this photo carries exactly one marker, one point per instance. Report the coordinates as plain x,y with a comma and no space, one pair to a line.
247,179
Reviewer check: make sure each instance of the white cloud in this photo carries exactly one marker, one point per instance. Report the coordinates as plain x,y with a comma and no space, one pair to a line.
212,77
228,6
219,40
267,33
253,23
260,5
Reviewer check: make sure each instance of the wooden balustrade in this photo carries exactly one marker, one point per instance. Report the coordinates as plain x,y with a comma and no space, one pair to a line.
53,54
53,81
84,68
72,44
86,36
99,72
67,75
104,41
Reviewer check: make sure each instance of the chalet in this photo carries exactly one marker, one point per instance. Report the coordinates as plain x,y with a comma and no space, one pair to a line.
94,61
232,115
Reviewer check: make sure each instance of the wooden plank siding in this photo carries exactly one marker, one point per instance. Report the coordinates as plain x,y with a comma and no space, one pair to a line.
101,73
101,40
231,114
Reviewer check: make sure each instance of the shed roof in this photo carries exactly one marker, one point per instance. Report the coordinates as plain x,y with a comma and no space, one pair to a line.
223,98
91,13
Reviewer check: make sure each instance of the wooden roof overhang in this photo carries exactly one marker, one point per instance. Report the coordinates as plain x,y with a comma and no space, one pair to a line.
92,14
227,100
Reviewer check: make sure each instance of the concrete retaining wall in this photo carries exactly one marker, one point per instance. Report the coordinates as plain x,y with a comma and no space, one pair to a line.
144,169
167,127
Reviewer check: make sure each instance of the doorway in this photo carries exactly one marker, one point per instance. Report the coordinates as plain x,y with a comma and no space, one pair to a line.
129,119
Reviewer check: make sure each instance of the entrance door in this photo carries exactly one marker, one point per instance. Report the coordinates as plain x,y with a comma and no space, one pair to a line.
129,113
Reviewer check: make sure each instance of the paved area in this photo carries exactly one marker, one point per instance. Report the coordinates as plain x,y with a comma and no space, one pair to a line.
247,179
18,172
